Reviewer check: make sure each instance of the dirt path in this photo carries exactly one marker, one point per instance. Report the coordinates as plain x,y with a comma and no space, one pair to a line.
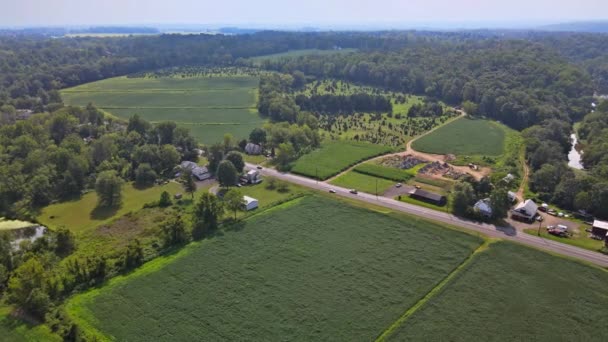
524,181
482,172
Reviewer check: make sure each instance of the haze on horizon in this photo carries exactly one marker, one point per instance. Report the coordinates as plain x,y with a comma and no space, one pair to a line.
324,13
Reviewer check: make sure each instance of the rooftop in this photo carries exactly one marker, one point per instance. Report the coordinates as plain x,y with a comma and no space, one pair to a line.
600,224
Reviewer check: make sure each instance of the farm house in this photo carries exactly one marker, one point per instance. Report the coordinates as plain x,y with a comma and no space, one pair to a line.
483,207
525,211
250,203
600,229
199,172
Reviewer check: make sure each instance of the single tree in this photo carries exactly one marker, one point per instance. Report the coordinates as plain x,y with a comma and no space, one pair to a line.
226,173
463,196
173,231
234,200
500,203
236,158
285,154
258,136
165,200
188,182
65,242
109,189
144,175
169,157
27,288
134,255
215,154
206,214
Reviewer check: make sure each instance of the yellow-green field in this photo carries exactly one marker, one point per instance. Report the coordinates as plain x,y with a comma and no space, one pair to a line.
209,106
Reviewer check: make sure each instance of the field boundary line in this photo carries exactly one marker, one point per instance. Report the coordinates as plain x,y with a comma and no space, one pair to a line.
434,291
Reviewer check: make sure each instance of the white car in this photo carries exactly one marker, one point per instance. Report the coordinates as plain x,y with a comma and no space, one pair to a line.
398,185
332,191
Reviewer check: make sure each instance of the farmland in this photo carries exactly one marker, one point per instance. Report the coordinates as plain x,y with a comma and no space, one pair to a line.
286,273
336,156
210,105
390,173
509,292
464,137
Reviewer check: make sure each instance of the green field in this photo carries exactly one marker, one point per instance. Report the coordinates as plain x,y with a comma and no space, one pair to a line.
81,214
362,182
464,137
311,269
336,156
209,106
385,172
513,293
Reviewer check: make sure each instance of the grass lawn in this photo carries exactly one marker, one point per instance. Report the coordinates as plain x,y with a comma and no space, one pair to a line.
259,159
464,137
579,240
336,156
80,215
514,293
15,330
209,106
311,269
363,182
408,199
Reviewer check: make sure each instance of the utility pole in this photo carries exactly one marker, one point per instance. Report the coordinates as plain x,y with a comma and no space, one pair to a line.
539,224
376,188
317,173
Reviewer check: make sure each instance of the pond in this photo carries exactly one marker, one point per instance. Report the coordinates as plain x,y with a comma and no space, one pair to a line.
575,155
21,230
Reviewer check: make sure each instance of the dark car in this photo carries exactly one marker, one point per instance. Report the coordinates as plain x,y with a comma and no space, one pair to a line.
353,191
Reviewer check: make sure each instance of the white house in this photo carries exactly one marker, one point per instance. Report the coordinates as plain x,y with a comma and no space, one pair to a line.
483,207
525,211
254,177
512,196
250,203
252,148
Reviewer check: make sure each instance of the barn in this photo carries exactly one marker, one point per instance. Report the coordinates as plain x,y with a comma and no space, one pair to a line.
429,197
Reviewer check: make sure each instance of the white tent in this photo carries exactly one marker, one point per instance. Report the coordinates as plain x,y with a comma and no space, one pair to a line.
250,203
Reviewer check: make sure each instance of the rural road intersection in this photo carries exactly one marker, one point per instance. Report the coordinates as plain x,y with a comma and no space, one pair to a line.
507,233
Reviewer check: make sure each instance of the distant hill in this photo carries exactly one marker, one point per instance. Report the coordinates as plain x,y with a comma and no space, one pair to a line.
581,26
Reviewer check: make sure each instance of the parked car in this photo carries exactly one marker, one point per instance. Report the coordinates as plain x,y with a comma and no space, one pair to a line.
398,185
544,207
560,214
353,191
332,191
552,212
417,186
559,230
539,218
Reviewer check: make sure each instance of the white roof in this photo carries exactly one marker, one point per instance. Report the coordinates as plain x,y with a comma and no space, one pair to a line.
600,224
528,206
483,205
249,200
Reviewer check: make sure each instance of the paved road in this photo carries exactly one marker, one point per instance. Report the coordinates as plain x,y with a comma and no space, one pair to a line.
507,233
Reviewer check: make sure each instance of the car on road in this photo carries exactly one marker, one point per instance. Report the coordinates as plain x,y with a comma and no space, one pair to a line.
398,185
259,167
332,191
353,191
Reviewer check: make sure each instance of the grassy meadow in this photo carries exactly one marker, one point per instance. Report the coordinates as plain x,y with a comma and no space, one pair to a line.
209,106
336,156
310,269
513,293
464,137
81,214
385,172
362,182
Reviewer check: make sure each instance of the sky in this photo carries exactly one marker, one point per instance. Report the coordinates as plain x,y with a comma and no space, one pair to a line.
317,13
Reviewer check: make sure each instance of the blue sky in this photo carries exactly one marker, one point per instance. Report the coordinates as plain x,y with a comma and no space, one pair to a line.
323,13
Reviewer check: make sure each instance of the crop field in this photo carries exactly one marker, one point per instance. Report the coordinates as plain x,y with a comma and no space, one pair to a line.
513,293
362,182
81,214
310,269
336,156
209,106
464,137
390,173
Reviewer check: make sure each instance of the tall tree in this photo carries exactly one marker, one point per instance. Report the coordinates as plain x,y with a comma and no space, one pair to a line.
500,203
236,158
258,136
173,231
207,211
109,189
227,174
234,200
188,182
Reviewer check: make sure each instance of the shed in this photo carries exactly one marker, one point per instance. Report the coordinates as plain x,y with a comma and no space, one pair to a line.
599,228
427,196
250,203
512,196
